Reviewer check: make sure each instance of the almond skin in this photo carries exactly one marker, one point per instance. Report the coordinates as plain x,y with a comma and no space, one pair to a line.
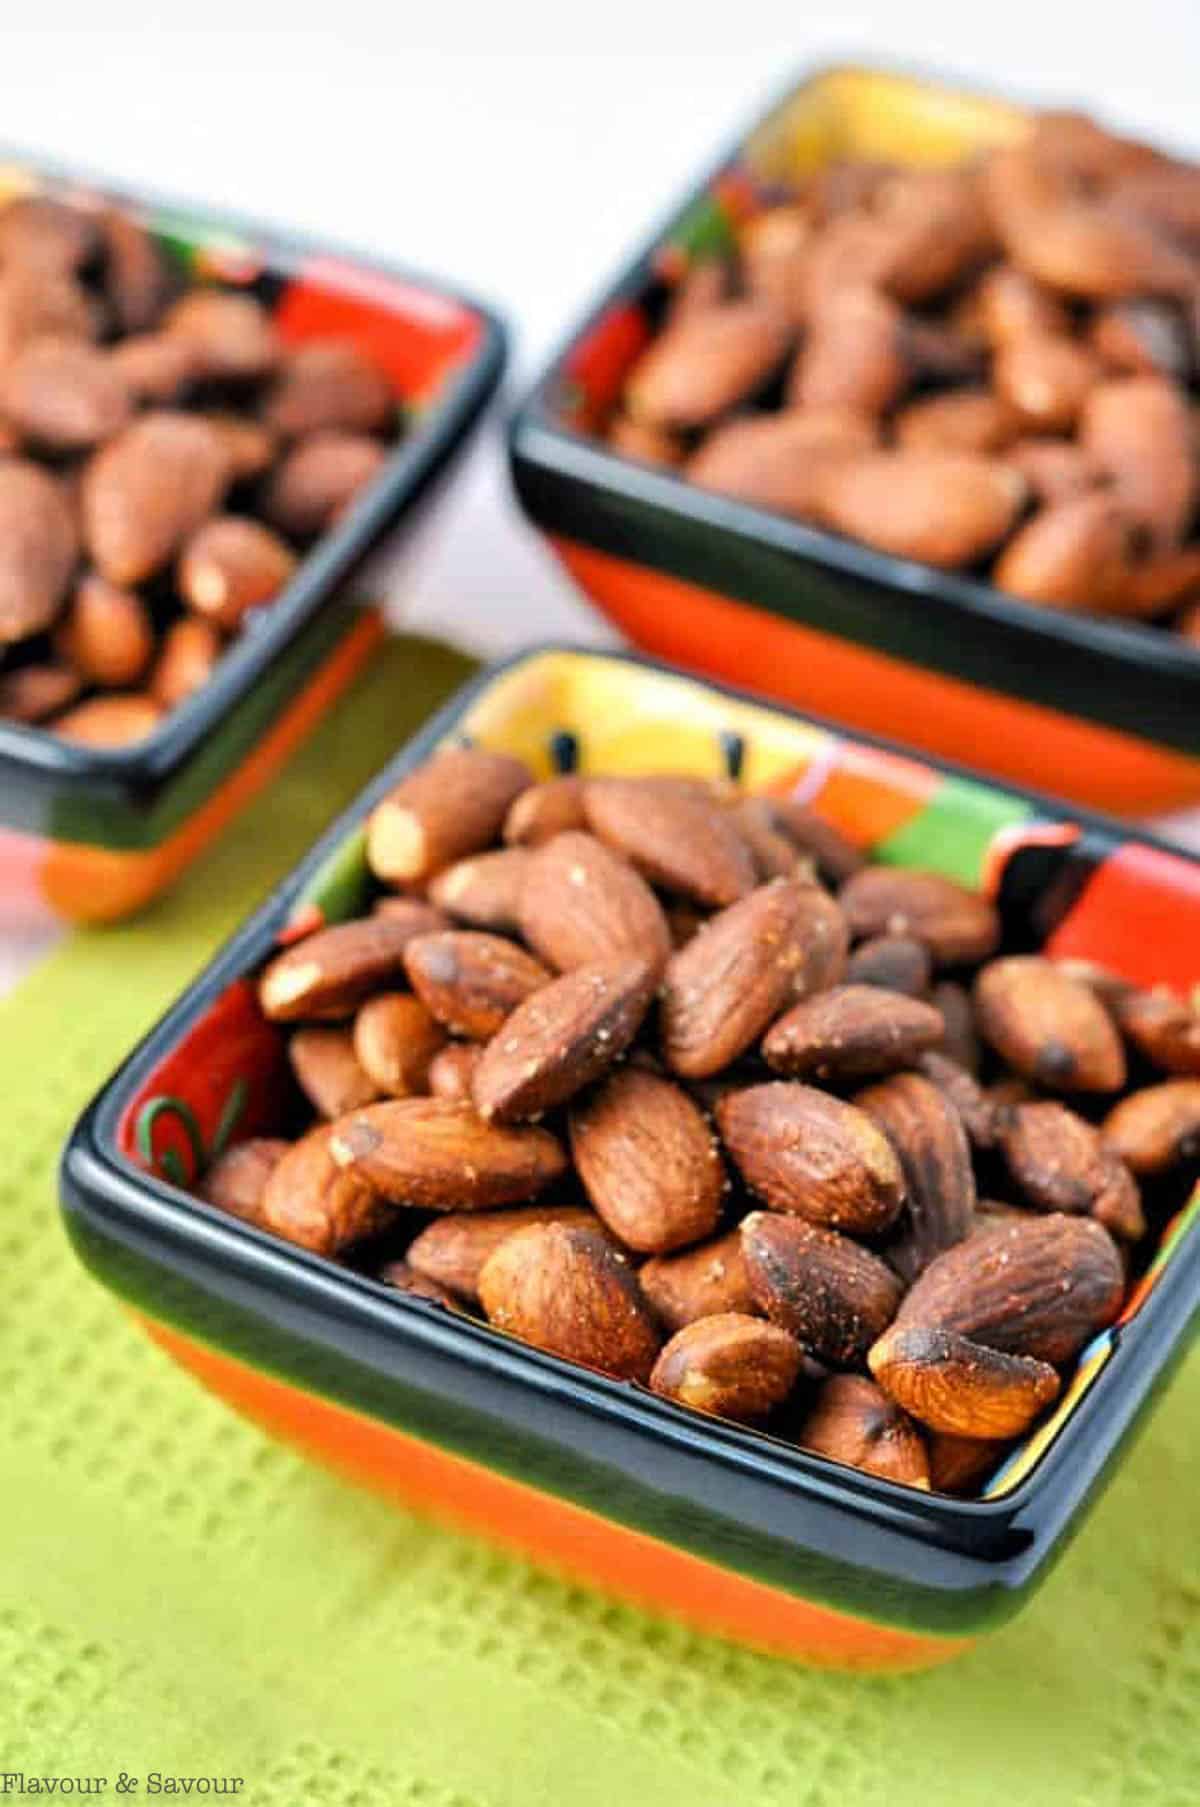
893,962
1036,1286
778,461
405,1279
733,1366
830,1293
153,367
38,548
963,420
453,1250
325,1064
724,988
412,916
1157,1128
1062,1164
1139,431
147,490
106,634
705,363
567,1290
395,1040
674,838
332,971
231,334
698,1283
806,1152
237,1180
834,856
485,891
1162,1027
562,1038
472,982
851,1032
312,1200
773,853
230,566
940,508
63,394
329,383
959,1464
118,720
927,1135
853,1421
1075,554
581,903
960,1388
450,807
956,925
980,1118
314,483
189,651
1044,380
1047,1026
30,693
648,1161
544,810
452,1069
852,355
441,1156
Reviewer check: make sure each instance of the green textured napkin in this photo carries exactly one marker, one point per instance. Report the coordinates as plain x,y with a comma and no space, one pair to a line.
178,1594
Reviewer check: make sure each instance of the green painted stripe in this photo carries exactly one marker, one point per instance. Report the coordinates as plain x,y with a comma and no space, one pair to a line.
954,831
706,231
341,885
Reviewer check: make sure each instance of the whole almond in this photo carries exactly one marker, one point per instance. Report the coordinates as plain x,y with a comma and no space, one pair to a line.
395,1040
117,720
36,303
190,649
63,394
437,1155
231,334
313,1201
853,1421
30,693
828,1291
328,1071
484,891
1056,470
231,565
699,1282
1160,582
980,1117
580,903
452,1070
674,838
1061,1163
1044,380
1142,338
154,367
405,1279
1140,432
773,853
959,1464
1050,1028
1162,1027
960,1040
852,355
564,1036
778,461
318,479
961,1388
138,279
1075,554
1008,307
648,1161
705,363
851,1032
733,1366
568,1291
940,508
332,971
955,924
544,810
927,1134
1037,1286
962,420
415,916
329,383
249,446
893,962
807,1152
453,1250
106,634
724,988
834,856
238,1178
1157,1128
147,490
41,232
38,548
450,807
472,982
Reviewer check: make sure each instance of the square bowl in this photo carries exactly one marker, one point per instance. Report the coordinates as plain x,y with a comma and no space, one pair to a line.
733,1529
1104,711
93,833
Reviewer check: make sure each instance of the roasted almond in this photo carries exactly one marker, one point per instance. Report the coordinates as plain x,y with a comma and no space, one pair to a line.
828,1291
806,1152
852,354
63,394
674,838
1074,554
231,565
472,982
329,383
962,420
893,962
959,1040
1157,1128
328,1071
1160,1026
249,448
453,1250
406,1279
154,367
190,649
314,1201
484,891
117,720
317,480
395,1041
544,810
853,1421
1061,1163
834,856
779,461
1140,432
568,1291
450,807
939,508
851,1032
1007,307
1050,1028
956,925
30,693
648,1161
562,1038
238,1178
926,1132
106,634
41,232
733,1366
1142,338
414,915
452,1069
705,363
774,853
231,334
1044,379
959,1464
581,903
332,971
1056,470
981,1119
147,490
961,1388
699,1282
441,1156
38,548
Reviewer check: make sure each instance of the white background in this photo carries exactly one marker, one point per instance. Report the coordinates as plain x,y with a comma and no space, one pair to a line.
520,149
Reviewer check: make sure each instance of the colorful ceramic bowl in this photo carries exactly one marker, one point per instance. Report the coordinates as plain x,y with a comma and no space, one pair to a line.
1101,711
93,833
731,1529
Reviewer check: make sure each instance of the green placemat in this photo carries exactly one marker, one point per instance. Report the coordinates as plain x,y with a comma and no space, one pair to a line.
178,1594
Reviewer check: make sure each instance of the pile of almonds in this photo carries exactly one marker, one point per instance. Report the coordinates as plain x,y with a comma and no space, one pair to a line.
989,368
163,459
659,1076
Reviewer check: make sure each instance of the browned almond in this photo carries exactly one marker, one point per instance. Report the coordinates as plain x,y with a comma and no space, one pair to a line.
106,634
311,1200
699,1282
829,1292
38,548
981,1119
1038,1286
237,1179
190,648
960,1040
705,363
231,565
852,355
438,1155
774,854
30,693
834,856
562,1038
1160,582
851,1032
640,439
452,1069
329,1073
330,972
1006,305
249,447
417,916
1044,380
807,1152
34,303
778,460
963,420
395,1041
138,280
453,1250
961,1388
329,383
853,1421
64,394
1140,432
927,1134
1075,554
1142,338
893,962
773,248
450,807
648,1161
733,1366
568,1291
544,810
959,1464
674,838
147,490
936,228
1056,470
316,482
1051,1029
484,891
45,233
117,720
1162,1027
581,903
231,334
1157,1128
1061,1163
472,982
732,979
939,508
956,925
406,1279
942,352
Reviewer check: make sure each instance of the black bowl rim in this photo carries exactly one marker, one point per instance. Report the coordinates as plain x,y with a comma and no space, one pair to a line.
417,458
